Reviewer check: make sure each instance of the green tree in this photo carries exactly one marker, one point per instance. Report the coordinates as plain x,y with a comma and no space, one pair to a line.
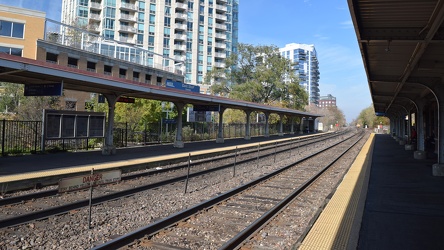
258,74
11,96
25,107
369,118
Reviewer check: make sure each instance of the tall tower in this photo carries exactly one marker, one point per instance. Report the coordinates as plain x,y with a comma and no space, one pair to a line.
199,34
306,66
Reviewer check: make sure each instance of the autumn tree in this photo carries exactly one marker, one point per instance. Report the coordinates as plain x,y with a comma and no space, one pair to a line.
330,116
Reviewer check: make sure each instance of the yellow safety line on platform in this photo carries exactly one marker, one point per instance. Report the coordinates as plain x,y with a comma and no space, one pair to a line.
333,228
123,163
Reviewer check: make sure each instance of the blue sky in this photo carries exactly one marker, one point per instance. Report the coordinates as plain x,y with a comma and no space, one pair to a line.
326,24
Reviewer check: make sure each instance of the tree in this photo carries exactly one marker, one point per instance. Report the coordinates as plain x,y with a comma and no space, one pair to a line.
330,116
25,107
258,74
368,117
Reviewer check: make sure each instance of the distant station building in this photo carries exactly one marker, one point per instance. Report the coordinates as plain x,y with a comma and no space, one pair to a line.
327,101
306,66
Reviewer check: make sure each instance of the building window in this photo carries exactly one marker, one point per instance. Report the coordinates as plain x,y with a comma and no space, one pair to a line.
107,69
109,34
72,62
51,57
122,73
11,51
91,66
152,19
167,21
151,40
12,29
136,76
152,8
83,12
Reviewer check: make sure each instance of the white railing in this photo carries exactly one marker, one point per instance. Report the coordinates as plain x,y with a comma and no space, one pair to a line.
128,17
128,6
221,35
181,26
219,64
181,5
220,55
96,5
128,28
221,7
221,17
180,36
181,16
221,26
221,45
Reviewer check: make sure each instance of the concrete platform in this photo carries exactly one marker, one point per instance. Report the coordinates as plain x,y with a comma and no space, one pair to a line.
403,205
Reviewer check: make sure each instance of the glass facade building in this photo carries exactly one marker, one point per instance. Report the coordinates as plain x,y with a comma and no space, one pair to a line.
196,34
306,66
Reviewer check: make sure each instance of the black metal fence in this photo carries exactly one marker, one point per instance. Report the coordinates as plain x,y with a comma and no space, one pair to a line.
25,137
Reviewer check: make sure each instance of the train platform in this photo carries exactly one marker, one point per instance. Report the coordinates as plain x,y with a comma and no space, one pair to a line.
46,169
387,200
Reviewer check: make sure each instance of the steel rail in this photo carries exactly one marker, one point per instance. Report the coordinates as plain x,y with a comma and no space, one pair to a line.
38,215
43,194
155,227
237,241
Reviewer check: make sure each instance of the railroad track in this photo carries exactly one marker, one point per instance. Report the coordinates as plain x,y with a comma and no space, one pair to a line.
291,144
38,215
230,219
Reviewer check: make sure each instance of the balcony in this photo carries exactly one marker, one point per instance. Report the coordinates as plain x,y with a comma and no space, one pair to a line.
181,16
181,37
128,29
180,26
221,36
128,18
94,29
220,55
125,39
221,7
128,6
221,26
220,45
181,6
219,65
96,6
222,1
94,17
179,58
221,17
180,47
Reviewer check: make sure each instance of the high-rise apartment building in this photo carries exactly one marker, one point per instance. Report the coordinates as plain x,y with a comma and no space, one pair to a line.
306,66
198,34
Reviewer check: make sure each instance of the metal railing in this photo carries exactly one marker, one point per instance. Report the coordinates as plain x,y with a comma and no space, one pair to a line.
25,137
75,37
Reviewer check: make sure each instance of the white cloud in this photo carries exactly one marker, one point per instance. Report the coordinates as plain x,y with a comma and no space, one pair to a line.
347,25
